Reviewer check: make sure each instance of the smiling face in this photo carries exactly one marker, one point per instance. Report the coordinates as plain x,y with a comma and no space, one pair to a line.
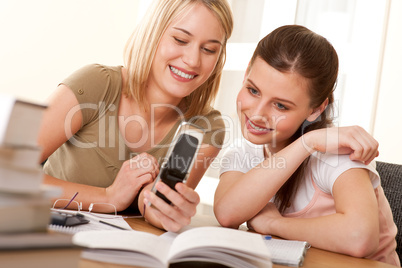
272,105
187,54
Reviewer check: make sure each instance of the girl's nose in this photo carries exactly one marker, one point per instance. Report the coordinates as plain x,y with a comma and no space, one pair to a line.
261,114
191,56
261,110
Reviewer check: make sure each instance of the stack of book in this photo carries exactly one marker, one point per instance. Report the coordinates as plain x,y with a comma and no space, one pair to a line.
24,202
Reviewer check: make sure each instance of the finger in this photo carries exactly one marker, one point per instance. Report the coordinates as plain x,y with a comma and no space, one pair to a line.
376,154
136,183
167,223
191,195
180,200
350,145
151,161
359,144
174,213
370,143
144,161
368,146
145,179
138,169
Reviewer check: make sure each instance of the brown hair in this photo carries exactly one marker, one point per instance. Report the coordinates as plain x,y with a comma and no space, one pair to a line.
142,45
294,48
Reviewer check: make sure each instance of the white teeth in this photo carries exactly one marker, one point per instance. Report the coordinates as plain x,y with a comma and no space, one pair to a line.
256,127
181,74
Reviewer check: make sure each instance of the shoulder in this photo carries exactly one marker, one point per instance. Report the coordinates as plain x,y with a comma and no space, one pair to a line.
241,156
326,168
214,127
94,84
93,79
211,121
92,74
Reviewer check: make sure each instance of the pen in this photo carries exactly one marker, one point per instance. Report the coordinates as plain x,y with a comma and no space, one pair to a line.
267,237
103,222
71,200
115,226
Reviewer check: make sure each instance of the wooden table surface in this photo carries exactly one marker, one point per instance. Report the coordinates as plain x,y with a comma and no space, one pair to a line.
70,258
315,258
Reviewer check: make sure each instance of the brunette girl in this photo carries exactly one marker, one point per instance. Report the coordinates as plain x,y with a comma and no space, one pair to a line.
284,180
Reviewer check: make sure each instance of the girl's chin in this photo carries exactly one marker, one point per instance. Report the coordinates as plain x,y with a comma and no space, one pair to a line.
264,140
256,139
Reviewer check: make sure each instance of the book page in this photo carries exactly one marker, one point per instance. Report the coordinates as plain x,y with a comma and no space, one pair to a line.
129,241
122,258
233,242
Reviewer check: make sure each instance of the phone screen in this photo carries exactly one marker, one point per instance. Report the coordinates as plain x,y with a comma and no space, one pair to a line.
180,160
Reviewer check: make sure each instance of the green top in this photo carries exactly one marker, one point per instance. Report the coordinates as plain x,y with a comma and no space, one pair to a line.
94,155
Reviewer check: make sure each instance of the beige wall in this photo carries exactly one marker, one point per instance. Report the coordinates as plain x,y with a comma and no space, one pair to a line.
43,41
388,124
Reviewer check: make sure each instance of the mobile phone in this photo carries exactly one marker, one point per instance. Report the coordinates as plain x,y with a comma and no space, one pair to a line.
180,157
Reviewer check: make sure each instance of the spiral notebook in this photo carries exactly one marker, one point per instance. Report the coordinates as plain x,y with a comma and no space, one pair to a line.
287,252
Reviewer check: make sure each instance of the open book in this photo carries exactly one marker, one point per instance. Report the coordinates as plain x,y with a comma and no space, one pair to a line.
233,248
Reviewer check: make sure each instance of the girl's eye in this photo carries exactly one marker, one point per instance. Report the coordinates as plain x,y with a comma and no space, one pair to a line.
209,51
281,106
253,91
180,41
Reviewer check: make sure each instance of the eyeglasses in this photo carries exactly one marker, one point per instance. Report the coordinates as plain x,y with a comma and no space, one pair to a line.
71,204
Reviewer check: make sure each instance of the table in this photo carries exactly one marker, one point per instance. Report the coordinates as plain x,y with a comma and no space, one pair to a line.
315,258
69,258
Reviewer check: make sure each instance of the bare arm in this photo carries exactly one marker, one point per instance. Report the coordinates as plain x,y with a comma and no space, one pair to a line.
185,200
61,121
352,230
240,196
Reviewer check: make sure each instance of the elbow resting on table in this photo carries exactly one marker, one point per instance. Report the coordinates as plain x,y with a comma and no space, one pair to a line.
226,219
228,223
362,243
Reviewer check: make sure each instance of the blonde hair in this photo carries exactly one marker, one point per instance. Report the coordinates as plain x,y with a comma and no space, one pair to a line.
143,43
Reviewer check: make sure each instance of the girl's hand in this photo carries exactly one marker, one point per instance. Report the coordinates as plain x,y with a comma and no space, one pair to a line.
262,221
133,175
177,215
352,140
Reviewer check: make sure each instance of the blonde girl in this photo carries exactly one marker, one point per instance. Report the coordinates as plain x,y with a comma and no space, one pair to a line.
108,128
